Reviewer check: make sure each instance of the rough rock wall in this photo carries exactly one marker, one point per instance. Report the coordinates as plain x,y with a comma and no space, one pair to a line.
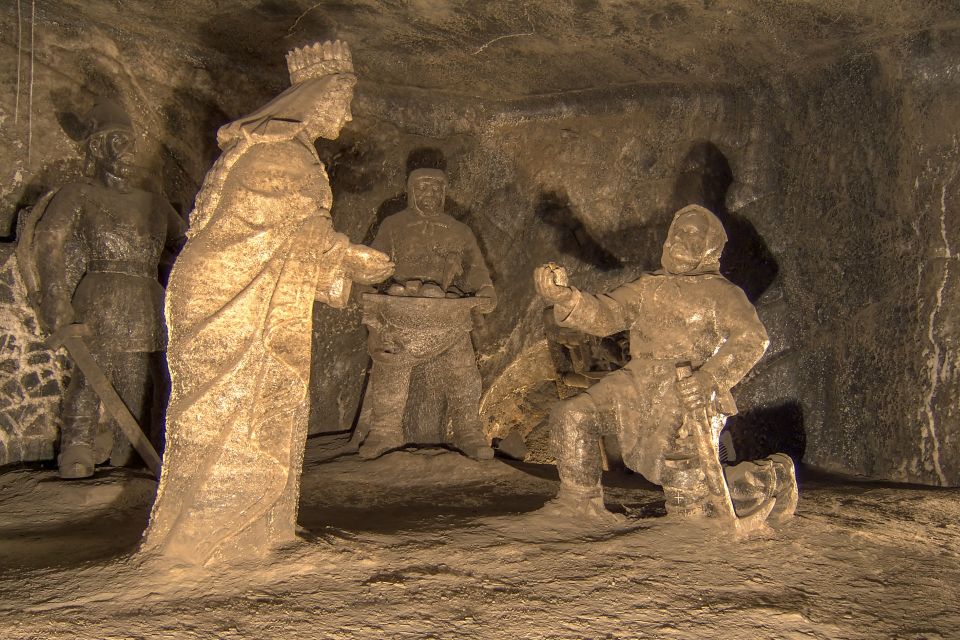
869,186
930,164
822,131
31,375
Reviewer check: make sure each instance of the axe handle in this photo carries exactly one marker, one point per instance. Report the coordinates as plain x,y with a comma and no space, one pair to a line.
111,400
698,425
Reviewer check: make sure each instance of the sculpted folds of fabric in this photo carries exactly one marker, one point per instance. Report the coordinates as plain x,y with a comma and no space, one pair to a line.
240,305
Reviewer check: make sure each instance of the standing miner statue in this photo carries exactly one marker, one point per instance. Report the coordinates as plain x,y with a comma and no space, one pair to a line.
93,251
419,332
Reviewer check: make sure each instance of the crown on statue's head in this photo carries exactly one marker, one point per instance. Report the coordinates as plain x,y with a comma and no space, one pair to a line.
318,60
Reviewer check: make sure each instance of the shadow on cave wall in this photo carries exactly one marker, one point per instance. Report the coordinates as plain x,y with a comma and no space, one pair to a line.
177,182
760,432
253,42
354,162
71,106
704,179
554,210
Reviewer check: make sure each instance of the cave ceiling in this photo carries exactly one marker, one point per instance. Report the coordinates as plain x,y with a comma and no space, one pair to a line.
501,49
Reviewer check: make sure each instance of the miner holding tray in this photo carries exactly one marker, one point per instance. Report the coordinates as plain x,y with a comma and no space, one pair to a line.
419,331
693,336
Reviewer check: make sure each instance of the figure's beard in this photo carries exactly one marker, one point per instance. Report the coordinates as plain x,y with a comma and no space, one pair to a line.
431,210
118,174
428,208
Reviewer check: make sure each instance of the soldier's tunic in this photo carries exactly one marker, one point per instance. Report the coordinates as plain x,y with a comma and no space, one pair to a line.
100,248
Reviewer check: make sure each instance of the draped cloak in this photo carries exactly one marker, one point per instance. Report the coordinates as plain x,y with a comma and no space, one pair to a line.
239,305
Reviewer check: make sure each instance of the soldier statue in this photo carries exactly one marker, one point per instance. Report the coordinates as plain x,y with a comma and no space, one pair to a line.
97,245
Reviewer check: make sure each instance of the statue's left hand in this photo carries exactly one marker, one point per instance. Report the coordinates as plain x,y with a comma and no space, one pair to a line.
695,391
367,266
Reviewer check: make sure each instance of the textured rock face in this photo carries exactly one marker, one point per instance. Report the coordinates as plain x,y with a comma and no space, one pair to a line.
822,134
874,285
31,376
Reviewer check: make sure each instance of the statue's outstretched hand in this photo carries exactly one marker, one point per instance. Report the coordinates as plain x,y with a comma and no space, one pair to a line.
367,266
545,281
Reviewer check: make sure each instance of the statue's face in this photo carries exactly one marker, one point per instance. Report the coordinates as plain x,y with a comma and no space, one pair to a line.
428,195
684,248
115,154
332,114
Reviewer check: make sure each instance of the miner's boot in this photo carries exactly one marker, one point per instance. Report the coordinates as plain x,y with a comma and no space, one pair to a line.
380,428
75,462
77,457
581,504
123,453
380,441
472,444
575,436
786,493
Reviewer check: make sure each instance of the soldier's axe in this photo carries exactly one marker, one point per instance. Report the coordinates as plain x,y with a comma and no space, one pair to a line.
72,337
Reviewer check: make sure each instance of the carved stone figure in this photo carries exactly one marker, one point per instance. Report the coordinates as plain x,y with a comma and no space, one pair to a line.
419,332
260,250
94,250
689,316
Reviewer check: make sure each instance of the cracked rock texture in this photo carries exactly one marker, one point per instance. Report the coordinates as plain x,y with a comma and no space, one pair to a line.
822,132
31,376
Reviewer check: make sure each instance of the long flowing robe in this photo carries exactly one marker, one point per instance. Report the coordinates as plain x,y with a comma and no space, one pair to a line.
239,308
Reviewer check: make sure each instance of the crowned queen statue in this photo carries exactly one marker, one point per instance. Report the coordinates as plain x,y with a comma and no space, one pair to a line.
261,248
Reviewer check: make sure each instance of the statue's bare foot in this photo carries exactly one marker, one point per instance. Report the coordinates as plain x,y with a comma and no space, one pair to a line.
378,443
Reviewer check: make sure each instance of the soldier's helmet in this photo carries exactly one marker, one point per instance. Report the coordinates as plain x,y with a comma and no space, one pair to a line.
105,116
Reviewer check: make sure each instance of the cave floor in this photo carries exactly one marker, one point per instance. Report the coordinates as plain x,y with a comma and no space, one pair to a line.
428,544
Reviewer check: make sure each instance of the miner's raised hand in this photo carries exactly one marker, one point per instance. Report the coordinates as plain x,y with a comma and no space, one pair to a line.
550,282
367,266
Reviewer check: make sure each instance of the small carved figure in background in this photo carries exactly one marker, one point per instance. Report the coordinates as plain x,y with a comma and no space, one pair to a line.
685,314
420,331
95,247
261,249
